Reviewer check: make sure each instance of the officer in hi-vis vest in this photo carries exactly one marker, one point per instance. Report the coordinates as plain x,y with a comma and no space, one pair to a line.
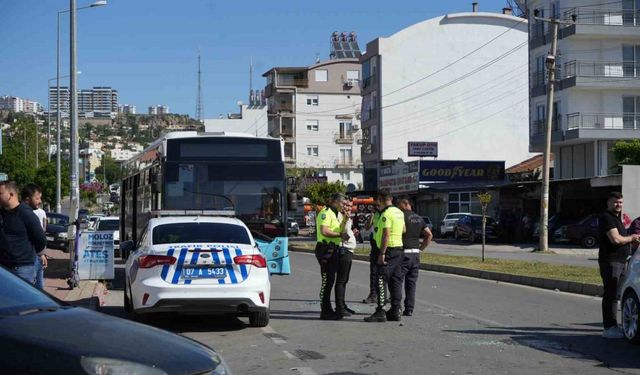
329,235
389,239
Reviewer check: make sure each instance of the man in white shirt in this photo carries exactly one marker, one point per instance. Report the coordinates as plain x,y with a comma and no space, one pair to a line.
31,194
345,257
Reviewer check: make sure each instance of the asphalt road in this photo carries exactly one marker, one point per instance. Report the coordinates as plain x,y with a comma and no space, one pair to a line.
460,326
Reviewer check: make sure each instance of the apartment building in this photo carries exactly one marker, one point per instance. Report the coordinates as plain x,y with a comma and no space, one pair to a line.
17,104
316,110
251,119
98,101
597,96
127,109
158,110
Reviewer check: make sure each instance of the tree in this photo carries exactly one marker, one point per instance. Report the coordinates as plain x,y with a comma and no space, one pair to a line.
301,172
319,193
112,168
627,152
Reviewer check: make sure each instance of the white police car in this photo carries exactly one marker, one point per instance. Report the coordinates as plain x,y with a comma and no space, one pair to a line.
197,264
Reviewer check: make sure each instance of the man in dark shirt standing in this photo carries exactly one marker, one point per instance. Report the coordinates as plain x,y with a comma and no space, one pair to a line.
21,235
614,250
416,227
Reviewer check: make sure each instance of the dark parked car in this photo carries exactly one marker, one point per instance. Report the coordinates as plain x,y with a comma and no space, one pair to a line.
470,227
38,335
555,223
584,233
56,231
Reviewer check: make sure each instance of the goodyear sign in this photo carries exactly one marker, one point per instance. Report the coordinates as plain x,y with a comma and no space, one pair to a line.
95,256
461,171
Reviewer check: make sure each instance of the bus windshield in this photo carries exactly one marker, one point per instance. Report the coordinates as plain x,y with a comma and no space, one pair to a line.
255,192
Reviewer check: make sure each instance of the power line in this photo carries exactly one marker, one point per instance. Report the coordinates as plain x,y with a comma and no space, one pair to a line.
458,60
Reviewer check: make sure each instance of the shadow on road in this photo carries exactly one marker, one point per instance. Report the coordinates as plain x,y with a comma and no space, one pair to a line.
578,343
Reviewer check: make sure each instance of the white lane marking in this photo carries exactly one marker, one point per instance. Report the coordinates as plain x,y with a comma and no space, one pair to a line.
289,355
271,334
304,370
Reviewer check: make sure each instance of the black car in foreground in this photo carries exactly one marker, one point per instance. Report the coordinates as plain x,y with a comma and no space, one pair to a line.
41,336
56,231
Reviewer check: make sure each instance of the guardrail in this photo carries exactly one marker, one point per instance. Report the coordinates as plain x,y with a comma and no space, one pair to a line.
624,121
603,16
608,69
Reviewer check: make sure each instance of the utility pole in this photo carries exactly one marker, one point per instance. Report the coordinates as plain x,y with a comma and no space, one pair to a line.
75,173
199,110
550,63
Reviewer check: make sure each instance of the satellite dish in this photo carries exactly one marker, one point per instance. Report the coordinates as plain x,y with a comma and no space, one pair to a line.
351,188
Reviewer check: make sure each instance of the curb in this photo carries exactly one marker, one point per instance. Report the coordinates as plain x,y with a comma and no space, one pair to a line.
537,282
89,294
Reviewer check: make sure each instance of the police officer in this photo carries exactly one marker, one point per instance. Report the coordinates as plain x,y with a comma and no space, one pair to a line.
389,237
329,237
373,257
416,228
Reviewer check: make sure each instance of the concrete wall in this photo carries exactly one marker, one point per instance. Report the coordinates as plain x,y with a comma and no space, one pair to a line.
481,117
252,119
631,190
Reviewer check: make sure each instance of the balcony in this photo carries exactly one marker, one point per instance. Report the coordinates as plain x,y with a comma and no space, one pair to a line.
347,163
600,74
537,127
286,107
288,80
602,22
538,83
342,137
603,121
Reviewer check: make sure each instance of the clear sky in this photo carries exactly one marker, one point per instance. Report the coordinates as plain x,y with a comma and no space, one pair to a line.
147,50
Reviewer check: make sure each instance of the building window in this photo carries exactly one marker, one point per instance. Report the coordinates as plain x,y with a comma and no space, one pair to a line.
353,74
312,125
345,176
321,75
312,150
346,156
346,129
464,202
312,100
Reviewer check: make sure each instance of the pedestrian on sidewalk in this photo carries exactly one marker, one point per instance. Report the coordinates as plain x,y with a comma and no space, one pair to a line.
345,258
31,195
415,228
389,237
21,235
329,237
614,250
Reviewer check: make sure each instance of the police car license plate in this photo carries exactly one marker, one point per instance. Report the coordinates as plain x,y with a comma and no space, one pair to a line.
49,238
204,273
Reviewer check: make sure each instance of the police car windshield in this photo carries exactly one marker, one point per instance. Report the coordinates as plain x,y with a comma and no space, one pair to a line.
109,225
199,233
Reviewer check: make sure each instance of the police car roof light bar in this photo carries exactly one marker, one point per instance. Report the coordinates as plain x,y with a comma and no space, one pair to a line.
163,213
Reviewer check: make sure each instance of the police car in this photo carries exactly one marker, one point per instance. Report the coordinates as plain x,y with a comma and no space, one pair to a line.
197,264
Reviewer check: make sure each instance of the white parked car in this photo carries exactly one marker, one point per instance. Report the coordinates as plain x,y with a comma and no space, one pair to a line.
110,223
448,224
197,264
630,305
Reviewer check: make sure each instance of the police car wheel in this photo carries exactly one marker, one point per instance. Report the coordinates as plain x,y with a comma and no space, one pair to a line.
259,318
127,301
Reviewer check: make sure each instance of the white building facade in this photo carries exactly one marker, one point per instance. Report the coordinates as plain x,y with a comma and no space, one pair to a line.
251,119
460,80
316,110
597,96
17,104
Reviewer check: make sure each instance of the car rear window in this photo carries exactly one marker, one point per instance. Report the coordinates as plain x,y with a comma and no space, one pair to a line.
109,225
200,232
454,216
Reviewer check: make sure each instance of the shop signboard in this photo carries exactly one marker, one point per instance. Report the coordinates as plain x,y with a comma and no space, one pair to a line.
399,178
95,256
452,171
423,149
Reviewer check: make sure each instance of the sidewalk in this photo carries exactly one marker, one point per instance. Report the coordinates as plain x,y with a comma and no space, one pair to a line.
89,294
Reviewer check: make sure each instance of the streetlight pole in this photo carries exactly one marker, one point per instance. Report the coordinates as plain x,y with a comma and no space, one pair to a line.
75,188
58,116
